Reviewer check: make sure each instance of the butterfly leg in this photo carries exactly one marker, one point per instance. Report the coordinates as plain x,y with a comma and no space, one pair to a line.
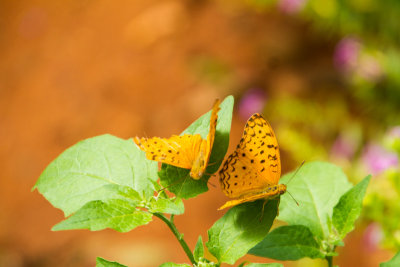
277,207
262,210
211,174
215,162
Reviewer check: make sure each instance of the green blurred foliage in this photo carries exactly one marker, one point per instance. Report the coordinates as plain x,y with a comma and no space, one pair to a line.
353,122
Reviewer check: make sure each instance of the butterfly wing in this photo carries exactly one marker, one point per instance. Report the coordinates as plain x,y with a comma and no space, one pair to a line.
268,194
260,142
213,126
178,151
201,161
185,151
255,164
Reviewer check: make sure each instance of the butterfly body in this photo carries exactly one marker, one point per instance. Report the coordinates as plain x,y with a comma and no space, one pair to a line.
188,151
199,163
253,170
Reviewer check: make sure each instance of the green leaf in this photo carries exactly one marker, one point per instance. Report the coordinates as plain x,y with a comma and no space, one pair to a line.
78,175
177,180
260,264
113,191
349,208
96,215
240,229
100,262
394,262
291,242
166,205
317,187
171,264
198,250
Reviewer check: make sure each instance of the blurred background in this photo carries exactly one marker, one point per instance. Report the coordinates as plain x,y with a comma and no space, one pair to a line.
325,73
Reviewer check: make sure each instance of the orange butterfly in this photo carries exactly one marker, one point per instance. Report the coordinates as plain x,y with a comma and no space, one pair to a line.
253,170
186,151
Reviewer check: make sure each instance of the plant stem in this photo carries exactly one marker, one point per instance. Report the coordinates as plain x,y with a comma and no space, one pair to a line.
178,235
330,260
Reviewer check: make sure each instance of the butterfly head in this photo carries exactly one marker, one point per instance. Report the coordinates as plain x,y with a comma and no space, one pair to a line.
281,189
197,169
195,174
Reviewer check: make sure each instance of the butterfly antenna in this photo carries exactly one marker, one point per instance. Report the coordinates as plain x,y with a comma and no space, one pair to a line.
212,163
174,183
293,198
215,162
297,170
213,185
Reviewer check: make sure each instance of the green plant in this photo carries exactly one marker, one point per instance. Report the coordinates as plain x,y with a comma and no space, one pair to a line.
395,261
107,182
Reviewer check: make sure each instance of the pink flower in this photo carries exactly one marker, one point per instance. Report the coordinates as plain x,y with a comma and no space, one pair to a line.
291,6
377,159
343,147
347,54
394,132
253,101
372,236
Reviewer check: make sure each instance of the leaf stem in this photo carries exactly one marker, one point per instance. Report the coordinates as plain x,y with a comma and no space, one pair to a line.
178,235
330,260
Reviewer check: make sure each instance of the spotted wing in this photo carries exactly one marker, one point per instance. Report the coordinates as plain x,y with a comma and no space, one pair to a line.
261,195
255,164
213,126
178,151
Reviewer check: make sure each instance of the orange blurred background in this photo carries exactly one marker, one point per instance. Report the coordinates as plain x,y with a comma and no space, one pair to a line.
71,70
